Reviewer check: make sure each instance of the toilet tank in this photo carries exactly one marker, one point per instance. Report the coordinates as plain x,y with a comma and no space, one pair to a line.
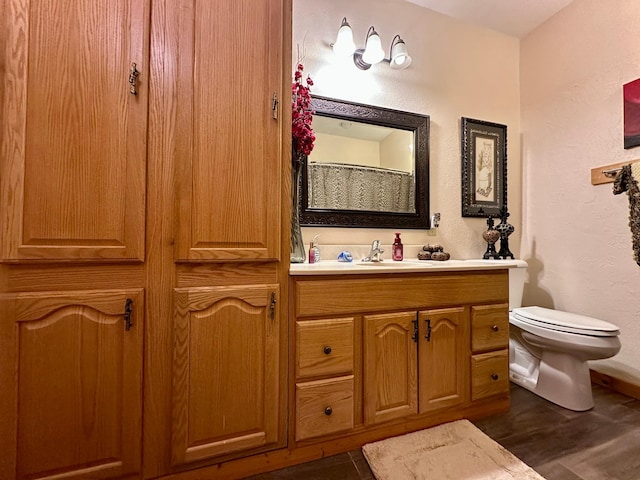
517,276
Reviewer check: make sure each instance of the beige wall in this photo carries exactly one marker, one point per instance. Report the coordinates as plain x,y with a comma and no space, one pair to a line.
458,71
576,238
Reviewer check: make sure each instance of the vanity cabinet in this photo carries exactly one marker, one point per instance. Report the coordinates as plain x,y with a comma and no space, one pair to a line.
415,349
490,350
415,362
324,376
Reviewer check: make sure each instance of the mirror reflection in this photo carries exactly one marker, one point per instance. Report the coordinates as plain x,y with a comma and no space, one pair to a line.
359,166
369,167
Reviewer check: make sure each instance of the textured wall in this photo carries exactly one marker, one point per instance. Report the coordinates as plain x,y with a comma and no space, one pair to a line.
458,71
576,238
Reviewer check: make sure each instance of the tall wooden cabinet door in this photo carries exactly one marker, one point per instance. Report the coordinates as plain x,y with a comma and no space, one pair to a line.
390,366
228,129
74,134
79,384
443,358
226,371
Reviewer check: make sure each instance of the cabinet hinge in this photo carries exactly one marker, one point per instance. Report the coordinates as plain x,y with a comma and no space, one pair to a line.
414,337
128,310
428,334
274,106
272,306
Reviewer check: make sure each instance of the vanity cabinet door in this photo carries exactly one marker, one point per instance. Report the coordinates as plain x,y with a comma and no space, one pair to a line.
78,384
225,371
229,109
390,366
73,160
444,358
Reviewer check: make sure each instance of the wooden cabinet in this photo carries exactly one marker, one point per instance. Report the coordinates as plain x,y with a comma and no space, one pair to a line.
221,110
415,362
228,138
170,178
390,366
443,358
226,371
74,137
430,346
324,377
79,384
490,343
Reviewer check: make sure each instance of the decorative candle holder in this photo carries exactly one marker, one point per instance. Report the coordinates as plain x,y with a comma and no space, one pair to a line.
505,230
491,236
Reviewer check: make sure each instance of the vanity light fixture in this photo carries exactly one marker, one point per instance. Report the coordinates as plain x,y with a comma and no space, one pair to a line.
372,52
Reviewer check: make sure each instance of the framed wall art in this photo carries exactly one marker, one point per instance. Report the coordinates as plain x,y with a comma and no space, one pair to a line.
484,168
631,107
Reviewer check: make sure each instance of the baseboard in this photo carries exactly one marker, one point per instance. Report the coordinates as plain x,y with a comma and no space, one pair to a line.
616,384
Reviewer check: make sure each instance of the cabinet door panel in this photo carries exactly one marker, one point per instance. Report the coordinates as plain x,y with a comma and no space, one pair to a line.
226,371
229,156
79,384
390,367
74,149
444,358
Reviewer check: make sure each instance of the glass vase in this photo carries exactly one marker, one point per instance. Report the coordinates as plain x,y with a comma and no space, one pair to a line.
298,254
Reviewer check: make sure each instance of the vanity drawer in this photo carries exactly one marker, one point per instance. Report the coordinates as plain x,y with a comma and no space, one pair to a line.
323,407
324,347
489,327
489,374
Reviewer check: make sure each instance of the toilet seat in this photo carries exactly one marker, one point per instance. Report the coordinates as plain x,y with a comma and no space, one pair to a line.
565,322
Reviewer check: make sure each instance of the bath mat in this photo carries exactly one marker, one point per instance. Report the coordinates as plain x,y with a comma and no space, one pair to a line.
452,451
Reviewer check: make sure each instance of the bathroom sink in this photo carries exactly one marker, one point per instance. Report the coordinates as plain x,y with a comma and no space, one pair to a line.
392,264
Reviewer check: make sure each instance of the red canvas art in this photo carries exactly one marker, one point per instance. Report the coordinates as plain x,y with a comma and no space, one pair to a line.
631,94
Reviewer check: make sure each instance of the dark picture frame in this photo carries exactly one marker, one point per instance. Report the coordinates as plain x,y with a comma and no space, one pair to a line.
484,168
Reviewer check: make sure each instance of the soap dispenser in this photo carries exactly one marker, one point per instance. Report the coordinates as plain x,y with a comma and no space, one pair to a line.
397,252
314,251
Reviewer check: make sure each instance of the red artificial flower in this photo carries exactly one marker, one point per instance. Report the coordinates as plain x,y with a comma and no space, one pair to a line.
301,114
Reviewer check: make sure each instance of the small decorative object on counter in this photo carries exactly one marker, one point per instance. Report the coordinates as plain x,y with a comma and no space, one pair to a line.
345,256
314,251
397,249
505,230
433,252
491,236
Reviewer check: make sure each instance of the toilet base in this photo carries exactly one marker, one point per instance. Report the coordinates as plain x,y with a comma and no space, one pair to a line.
557,377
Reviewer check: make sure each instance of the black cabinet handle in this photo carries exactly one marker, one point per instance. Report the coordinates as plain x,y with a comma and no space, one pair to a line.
495,328
327,350
328,411
494,376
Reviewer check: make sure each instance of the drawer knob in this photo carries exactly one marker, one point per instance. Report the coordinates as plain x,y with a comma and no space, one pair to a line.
495,328
494,376
328,411
327,350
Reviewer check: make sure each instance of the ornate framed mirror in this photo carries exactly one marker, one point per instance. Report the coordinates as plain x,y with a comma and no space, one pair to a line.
369,167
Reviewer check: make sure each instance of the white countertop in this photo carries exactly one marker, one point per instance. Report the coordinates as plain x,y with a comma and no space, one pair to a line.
333,267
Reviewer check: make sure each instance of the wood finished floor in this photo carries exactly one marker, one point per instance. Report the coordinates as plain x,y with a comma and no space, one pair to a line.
601,444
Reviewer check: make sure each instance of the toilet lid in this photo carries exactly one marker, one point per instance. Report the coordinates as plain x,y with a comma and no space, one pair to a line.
565,321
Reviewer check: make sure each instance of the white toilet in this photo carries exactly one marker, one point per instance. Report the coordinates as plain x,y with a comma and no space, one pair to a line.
549,349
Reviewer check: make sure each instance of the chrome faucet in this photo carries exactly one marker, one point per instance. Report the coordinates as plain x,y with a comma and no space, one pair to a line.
375,255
